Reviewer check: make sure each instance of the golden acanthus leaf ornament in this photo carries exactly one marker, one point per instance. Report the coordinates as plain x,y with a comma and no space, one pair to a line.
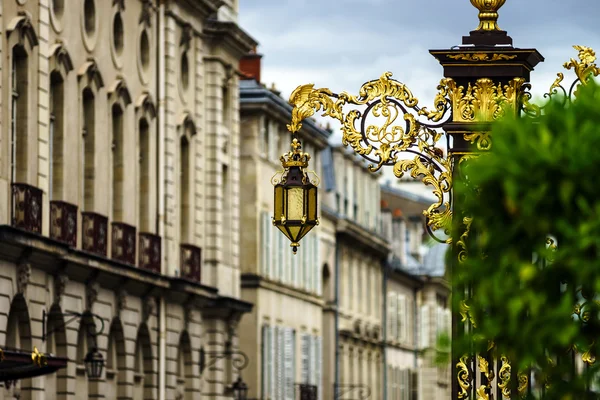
464,377
586,67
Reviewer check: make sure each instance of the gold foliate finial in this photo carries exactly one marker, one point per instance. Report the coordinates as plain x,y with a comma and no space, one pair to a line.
488,14
295,157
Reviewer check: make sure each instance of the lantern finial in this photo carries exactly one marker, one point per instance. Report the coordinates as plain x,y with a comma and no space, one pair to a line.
295,157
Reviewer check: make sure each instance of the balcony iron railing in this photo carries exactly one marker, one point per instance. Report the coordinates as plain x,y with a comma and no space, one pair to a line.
26,207
149,252
94,233
63,222
123,242
190,262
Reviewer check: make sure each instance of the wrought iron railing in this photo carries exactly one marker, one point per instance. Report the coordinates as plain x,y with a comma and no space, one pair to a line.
94,233
190,262
149,251
26,207
306,392
123,242
63,222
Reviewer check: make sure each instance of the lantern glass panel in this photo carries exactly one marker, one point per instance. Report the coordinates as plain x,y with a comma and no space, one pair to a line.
295,203
279,202
294,230
312,203
284,230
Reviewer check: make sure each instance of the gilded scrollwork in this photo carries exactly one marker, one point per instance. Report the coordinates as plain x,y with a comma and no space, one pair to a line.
464,377
504,377
585,68
473,57
388,123
484,101
462,242
481,138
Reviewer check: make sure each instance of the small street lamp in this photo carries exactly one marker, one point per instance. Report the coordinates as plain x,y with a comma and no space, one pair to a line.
295,196
240,389
94,363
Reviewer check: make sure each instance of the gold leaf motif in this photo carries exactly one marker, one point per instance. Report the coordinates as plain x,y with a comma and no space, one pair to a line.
586,67
462,242
504,377
523,383
485,101
464,378
482,393
484,142
38,358
588,357
481,57
306,101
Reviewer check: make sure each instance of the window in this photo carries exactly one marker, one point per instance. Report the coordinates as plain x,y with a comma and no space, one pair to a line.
392,321
226,106
226,220
265,139
184,189
19,120
56,138
117,159
145,191
402,332
266,362
89,126
425,326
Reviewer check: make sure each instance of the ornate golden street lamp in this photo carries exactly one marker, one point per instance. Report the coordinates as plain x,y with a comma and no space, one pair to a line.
295,196
484,79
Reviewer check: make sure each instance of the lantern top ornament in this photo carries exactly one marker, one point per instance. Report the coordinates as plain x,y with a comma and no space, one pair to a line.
295,157
488,14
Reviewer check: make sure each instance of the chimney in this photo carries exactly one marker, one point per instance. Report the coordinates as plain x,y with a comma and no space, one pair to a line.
250,65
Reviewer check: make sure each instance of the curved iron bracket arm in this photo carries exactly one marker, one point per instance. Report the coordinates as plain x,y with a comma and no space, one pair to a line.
239,359
362,391
74,316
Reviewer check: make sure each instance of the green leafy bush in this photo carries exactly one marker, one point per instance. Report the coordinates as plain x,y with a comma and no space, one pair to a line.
537,304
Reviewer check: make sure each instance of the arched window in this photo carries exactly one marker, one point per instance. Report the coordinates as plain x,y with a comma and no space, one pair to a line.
117,162
186,192
55,181
119,99
56,384
184,189
147,164
22,41
60,66
85,342
116,370
18,336
89,148
90,83
19,104
184,390
144,386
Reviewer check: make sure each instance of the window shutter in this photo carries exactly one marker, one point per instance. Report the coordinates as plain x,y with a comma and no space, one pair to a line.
287,363
272,354
281,364
304,349
293,364
265,362
392,316
425,323
402,318
318,366
313,360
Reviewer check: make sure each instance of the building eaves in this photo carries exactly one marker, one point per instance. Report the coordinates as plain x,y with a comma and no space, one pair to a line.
230,34
394,191
255,96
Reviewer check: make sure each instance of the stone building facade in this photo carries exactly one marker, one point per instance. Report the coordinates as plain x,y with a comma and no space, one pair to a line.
417,293
119,193
353,278
283,333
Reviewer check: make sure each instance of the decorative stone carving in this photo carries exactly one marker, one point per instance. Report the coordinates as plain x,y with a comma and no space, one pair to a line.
60,283
23,277
146,15
186,36
149,308
91,292
121,300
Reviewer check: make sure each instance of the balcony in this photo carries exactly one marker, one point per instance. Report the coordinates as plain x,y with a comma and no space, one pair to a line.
190,259
94,229
149,252
26,207
63,222
306,392
123,242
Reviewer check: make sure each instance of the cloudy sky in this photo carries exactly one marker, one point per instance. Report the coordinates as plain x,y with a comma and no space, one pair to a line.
340,44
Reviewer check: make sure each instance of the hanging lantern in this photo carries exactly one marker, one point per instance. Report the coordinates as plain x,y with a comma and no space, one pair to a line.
295,196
